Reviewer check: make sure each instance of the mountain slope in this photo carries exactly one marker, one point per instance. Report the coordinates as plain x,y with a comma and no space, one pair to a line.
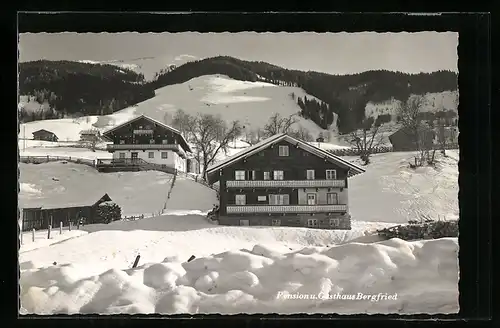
68,88
345,95
250,102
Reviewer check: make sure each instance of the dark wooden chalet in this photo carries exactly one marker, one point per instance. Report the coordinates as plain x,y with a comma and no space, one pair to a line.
144,140
44,135
283,181
42,216
404,140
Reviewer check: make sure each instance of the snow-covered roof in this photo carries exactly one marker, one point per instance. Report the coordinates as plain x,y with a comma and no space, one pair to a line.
43,130
70,199
106,133
353,169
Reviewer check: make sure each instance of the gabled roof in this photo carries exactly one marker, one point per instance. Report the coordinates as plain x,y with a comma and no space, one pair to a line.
71,199
106,133
43,130
353,169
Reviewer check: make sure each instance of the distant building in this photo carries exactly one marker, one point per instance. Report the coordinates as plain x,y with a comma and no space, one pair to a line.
45,214
44,135
404,140
90,135
143,140
284,181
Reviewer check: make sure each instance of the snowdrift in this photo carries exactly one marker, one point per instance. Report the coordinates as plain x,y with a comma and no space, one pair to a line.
59,184
421,277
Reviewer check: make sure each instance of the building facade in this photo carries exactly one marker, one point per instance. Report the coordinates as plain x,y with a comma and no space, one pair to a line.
283,181
146,140
44,135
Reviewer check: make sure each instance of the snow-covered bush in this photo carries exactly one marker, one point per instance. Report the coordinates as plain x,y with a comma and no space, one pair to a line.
108,212
427,230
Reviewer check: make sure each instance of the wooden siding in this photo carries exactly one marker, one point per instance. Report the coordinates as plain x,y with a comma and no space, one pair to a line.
295,165
160,133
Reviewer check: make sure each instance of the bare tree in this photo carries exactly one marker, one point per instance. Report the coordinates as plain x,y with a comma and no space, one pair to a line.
445,134
252,137
410,116
209,135
278,124
91,138
301,133
366,139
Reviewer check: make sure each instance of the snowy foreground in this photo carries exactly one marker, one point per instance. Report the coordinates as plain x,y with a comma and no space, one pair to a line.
420,277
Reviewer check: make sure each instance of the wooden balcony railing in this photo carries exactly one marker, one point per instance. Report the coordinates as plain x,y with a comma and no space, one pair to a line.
236,209
173,147
285,183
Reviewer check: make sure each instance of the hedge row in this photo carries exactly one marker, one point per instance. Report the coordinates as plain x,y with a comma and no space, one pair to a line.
427,230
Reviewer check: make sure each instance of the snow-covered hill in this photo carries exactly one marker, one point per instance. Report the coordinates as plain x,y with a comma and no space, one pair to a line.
433,102
148,66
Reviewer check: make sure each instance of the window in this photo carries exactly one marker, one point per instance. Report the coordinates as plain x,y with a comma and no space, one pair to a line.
261,198
262,153
239,175
122,155
310,174
252,174
151,141
164,141
240,199
278,175
151,154
305,154
276,222
331,174
164,155
332,198
283,150
267,175
311,199
334,222
122,142
279,199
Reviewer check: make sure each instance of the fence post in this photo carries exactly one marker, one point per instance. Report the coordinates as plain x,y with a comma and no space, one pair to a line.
33,235
78,224
70,225
60,227
48,234
47,158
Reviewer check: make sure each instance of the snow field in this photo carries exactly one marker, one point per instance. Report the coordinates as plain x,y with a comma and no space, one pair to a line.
422,274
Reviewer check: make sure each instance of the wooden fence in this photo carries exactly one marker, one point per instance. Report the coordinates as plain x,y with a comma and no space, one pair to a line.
380,150
48,158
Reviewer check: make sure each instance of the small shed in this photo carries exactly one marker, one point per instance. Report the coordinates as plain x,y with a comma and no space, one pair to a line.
44,135
403,139
40,217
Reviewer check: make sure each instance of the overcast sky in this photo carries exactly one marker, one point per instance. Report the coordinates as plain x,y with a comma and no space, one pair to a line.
334,53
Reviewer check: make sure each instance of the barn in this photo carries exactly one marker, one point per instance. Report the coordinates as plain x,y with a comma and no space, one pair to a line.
44,135
40,217
403,140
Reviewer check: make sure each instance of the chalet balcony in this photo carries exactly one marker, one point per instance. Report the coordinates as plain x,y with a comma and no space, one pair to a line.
113,147
173,147
285,183
240,209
